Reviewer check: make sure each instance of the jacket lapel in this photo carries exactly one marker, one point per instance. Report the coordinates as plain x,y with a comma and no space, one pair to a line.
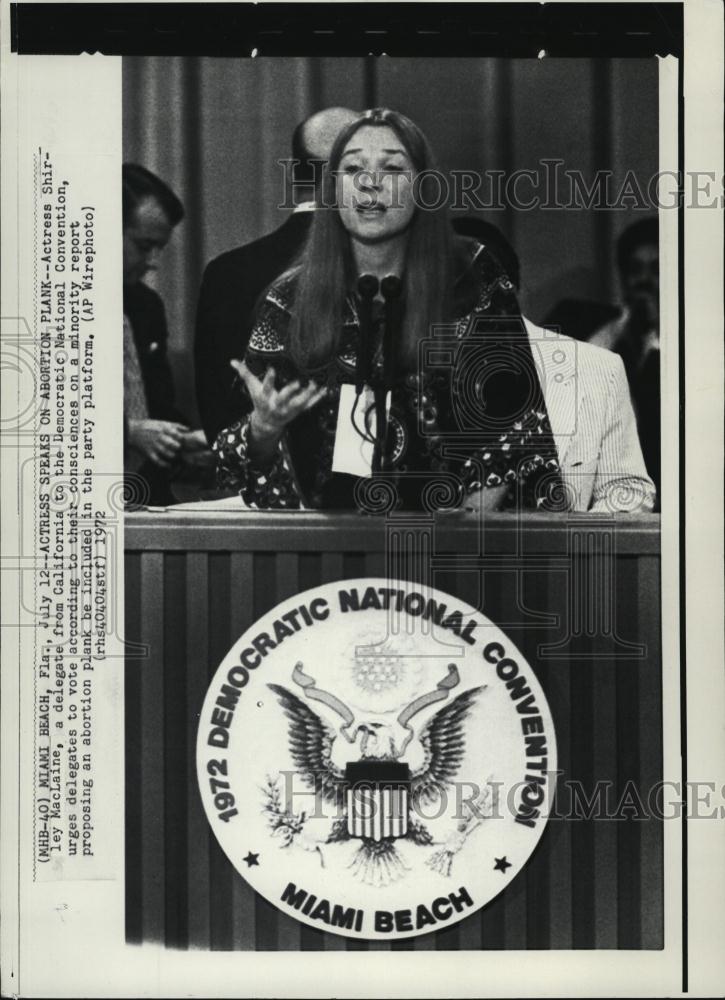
555,360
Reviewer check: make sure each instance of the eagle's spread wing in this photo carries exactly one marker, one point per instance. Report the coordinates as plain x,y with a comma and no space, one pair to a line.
443,744
310,743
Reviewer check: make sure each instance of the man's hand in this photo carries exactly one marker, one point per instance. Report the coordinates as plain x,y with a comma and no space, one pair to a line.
273,410
194,441
159,440
196,455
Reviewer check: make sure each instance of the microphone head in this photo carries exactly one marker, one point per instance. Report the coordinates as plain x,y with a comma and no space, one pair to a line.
391,287
367,286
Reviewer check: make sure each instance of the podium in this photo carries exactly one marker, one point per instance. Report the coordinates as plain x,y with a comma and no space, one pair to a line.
578,594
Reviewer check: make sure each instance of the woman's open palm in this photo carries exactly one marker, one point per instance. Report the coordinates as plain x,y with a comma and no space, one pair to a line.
274,409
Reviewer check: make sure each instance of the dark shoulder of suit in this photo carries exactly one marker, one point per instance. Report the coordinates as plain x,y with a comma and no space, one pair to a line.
237,278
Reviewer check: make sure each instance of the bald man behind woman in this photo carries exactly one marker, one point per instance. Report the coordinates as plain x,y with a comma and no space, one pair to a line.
233,282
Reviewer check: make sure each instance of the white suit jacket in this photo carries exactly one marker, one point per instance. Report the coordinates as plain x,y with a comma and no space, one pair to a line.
590,409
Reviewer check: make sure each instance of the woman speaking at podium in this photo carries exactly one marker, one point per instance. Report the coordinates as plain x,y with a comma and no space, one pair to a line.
391,357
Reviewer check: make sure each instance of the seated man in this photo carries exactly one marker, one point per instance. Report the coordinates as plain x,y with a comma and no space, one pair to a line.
591,414
158,446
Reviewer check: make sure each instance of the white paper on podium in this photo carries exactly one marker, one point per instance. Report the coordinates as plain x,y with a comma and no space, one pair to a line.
353,453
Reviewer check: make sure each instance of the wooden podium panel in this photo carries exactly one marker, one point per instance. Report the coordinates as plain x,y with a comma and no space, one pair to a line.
578,594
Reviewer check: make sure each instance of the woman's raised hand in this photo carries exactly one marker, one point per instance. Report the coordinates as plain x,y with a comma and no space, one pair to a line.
274,409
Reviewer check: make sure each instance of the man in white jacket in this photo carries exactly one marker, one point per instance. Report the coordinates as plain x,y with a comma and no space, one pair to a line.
589,404
592,419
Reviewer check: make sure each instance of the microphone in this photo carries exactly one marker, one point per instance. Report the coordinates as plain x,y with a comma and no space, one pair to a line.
367,289
392,288
367,286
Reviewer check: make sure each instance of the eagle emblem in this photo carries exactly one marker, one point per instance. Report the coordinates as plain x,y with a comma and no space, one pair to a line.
376,777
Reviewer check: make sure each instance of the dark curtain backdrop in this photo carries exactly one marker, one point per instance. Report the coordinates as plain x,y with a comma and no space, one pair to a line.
215,128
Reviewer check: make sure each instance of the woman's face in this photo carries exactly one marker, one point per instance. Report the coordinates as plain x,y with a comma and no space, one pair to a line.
375,185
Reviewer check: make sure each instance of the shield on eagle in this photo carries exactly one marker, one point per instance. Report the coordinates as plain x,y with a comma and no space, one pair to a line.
377,794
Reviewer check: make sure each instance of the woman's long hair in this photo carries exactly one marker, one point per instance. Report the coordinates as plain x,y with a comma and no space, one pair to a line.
327,269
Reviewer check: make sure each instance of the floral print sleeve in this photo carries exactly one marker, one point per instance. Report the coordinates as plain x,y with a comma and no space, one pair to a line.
523,459
271,485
